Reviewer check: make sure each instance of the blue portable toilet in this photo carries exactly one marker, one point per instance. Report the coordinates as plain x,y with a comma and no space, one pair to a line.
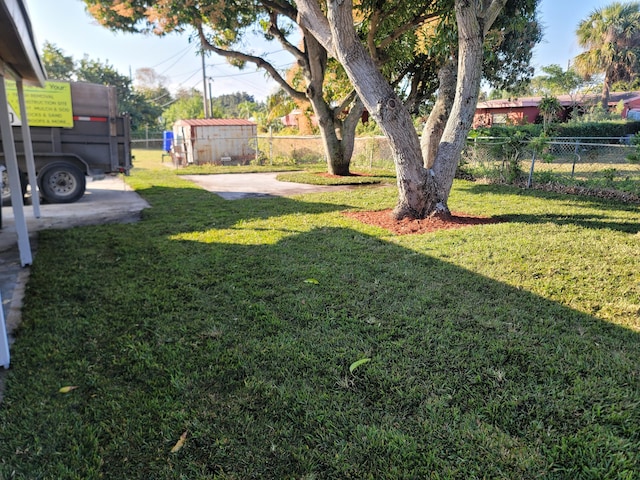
167,140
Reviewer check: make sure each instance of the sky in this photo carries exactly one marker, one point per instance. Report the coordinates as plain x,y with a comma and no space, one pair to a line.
66,24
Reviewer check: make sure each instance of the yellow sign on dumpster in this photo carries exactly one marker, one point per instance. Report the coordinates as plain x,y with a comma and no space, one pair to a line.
49,106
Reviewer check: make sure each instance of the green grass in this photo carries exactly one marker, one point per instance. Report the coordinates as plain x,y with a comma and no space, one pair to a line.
508,350
316,178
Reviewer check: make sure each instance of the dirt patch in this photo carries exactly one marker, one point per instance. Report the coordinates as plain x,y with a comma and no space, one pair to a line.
407,226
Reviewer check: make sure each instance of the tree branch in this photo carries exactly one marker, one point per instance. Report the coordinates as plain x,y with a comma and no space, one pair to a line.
491,13
258,61
283,8
286,44
351,96
310,16
411,25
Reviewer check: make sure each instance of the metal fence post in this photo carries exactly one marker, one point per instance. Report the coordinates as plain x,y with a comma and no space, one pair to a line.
576,157
533,162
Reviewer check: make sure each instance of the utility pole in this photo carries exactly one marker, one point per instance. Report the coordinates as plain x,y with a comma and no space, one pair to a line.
207,113
210,97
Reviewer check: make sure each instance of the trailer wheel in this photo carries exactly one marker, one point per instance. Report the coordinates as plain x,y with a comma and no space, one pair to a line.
6,190
61,183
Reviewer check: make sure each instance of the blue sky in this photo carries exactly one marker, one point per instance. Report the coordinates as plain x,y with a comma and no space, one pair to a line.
65,23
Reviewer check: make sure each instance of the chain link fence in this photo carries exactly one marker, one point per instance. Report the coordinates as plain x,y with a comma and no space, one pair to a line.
592,162
147,139
368,152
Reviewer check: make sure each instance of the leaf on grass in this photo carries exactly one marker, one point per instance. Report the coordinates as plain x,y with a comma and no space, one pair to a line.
68,389
357,363
312,281
180,443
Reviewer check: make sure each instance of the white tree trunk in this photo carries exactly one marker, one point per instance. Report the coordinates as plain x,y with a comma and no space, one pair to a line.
434,127
421,192
386,109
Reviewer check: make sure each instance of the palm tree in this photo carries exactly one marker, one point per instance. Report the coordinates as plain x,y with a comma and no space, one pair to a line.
611,37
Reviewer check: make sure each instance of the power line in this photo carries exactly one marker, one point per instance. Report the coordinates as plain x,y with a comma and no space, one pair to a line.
181,52
176,62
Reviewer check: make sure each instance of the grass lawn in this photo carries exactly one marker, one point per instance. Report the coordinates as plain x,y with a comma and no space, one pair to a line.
508,351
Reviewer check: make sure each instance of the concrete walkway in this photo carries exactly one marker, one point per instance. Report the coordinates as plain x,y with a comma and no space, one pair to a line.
235,186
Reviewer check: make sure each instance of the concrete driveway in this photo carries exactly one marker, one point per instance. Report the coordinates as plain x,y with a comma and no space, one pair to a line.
105,201
234,186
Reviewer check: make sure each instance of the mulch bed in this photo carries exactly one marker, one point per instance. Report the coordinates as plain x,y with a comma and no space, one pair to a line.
407,226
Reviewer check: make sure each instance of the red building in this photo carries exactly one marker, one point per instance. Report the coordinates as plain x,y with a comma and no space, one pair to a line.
518,111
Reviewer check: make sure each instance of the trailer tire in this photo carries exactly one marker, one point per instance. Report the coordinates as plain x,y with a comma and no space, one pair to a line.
61,183
6,190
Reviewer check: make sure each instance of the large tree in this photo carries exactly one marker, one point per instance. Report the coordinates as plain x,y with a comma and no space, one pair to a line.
386,34
225,28
58,65
422,191
611,39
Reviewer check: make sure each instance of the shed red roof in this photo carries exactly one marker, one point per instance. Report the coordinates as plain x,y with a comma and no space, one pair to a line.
215,122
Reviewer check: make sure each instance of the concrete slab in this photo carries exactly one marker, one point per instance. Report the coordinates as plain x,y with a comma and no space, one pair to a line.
234,186
107,200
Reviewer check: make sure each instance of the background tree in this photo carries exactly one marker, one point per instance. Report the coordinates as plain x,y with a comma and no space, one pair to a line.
226,28
611,37
549,107
556,81
228,105
153,87
58,65
187,104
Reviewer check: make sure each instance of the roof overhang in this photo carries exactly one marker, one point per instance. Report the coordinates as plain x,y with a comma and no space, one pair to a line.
18,49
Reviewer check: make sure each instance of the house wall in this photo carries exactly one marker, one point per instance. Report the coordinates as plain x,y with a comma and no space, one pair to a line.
487,117
633,104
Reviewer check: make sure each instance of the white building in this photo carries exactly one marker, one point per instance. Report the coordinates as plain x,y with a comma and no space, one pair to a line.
222,141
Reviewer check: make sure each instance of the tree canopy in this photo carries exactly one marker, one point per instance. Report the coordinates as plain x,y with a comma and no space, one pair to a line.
611,39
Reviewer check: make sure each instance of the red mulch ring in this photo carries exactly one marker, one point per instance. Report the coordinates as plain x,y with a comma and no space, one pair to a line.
406,226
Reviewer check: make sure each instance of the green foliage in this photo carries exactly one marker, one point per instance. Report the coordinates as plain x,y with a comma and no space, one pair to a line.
189,104
235,105
611,42
617,128
526,131
58,65
556,81
549,107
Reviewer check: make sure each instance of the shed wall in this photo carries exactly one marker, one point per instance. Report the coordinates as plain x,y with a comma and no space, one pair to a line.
213,143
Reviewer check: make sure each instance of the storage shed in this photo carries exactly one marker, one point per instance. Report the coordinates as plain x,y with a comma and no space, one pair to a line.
222,141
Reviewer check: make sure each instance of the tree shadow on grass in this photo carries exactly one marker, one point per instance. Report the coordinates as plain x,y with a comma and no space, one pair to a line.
247,347
617,214
585,221
199,207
